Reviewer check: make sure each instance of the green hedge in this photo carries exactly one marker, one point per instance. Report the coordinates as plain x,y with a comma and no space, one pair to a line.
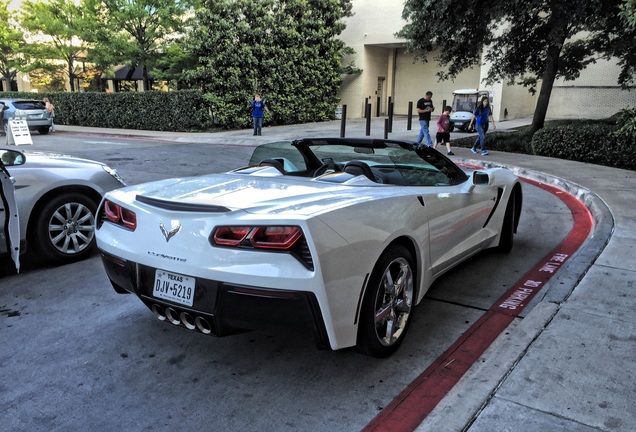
512,142
181,111
592,143
602,142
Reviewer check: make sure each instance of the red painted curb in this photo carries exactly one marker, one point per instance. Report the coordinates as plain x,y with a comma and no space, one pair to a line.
407,411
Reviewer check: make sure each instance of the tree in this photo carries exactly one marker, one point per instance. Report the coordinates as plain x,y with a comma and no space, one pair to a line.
56,29
286,50
525,41
174,63
12,44
135,32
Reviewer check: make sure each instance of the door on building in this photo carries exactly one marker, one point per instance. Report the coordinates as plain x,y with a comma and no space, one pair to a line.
380,103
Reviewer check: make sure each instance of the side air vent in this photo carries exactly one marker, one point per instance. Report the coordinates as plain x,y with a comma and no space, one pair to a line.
301,251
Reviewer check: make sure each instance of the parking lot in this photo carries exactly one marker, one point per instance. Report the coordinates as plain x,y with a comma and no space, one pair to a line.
78,356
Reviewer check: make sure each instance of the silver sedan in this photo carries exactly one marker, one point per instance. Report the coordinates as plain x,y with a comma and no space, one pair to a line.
55,198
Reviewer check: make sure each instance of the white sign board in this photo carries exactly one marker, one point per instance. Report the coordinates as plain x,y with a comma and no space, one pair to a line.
18,133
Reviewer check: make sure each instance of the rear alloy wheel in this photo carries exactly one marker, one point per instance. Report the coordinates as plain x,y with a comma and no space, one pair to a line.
44,130
65,228
387,308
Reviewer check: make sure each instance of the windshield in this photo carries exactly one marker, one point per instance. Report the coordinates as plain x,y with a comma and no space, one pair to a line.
465,102
29,105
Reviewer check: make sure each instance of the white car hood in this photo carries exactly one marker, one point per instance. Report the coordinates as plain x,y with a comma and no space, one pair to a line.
259,194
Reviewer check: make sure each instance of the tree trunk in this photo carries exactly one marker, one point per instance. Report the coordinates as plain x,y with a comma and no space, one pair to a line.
71,76
553,54
547,83
146,80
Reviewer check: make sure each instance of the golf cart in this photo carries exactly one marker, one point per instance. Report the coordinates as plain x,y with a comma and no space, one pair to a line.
464,103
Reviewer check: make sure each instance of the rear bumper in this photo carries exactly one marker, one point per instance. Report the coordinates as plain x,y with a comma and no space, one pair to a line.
38,124
222,308
33,124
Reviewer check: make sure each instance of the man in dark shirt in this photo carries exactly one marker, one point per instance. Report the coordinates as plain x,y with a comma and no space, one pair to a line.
424,109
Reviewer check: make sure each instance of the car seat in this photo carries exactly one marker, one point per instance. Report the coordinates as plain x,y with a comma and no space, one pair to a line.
357,168
273,163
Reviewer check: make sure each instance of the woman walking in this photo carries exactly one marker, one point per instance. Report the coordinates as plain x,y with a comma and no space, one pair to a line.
481,117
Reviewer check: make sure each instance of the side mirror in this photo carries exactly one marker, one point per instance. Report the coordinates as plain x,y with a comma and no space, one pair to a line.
481,178
11,157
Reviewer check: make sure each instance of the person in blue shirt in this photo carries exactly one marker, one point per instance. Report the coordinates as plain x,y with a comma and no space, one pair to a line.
481,117
258,112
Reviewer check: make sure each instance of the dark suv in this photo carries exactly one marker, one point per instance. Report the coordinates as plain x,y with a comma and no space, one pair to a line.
33,111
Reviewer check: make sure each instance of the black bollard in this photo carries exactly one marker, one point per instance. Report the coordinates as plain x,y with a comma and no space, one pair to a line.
368,116
408,118
343,121
390,115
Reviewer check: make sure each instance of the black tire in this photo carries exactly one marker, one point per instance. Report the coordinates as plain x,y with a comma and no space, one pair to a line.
388,304
64,230
508,228
43,131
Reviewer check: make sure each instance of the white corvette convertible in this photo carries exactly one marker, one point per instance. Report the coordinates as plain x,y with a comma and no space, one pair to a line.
340,236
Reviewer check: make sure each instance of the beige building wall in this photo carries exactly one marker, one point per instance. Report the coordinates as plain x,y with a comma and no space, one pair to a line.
387,70
371,33
515,101
509,101
595,94
414,79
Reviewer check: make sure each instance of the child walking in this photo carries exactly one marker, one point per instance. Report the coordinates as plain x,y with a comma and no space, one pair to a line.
443,130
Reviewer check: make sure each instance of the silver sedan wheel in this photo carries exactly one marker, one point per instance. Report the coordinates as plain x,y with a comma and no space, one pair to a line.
394,301
71,228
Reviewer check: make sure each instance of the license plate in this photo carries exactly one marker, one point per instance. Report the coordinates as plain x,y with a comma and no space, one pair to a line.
35,116
174,287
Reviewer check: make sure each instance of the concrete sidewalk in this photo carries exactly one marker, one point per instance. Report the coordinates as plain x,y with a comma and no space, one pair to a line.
570,365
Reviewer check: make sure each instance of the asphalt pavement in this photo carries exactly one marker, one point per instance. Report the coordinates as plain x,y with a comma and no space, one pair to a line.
570,365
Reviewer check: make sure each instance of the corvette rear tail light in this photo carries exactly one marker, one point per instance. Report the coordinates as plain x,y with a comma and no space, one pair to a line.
120,215
271,238
275,237
230,235
259,237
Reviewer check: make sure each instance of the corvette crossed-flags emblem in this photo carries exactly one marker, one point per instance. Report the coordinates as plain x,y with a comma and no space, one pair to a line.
169,234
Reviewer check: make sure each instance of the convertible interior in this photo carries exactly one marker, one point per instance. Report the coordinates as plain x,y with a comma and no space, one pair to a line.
340,160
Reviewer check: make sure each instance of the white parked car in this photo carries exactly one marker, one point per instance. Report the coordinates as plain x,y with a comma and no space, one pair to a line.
342,236
56,199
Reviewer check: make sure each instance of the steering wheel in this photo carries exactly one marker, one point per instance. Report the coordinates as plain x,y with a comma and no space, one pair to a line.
322,169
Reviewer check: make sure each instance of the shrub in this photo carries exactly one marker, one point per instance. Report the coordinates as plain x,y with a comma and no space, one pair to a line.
626,124
184,110
586,142
513,141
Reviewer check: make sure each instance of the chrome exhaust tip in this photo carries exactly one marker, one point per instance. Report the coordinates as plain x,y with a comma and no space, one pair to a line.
188,321
173,316
203,325
158,312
